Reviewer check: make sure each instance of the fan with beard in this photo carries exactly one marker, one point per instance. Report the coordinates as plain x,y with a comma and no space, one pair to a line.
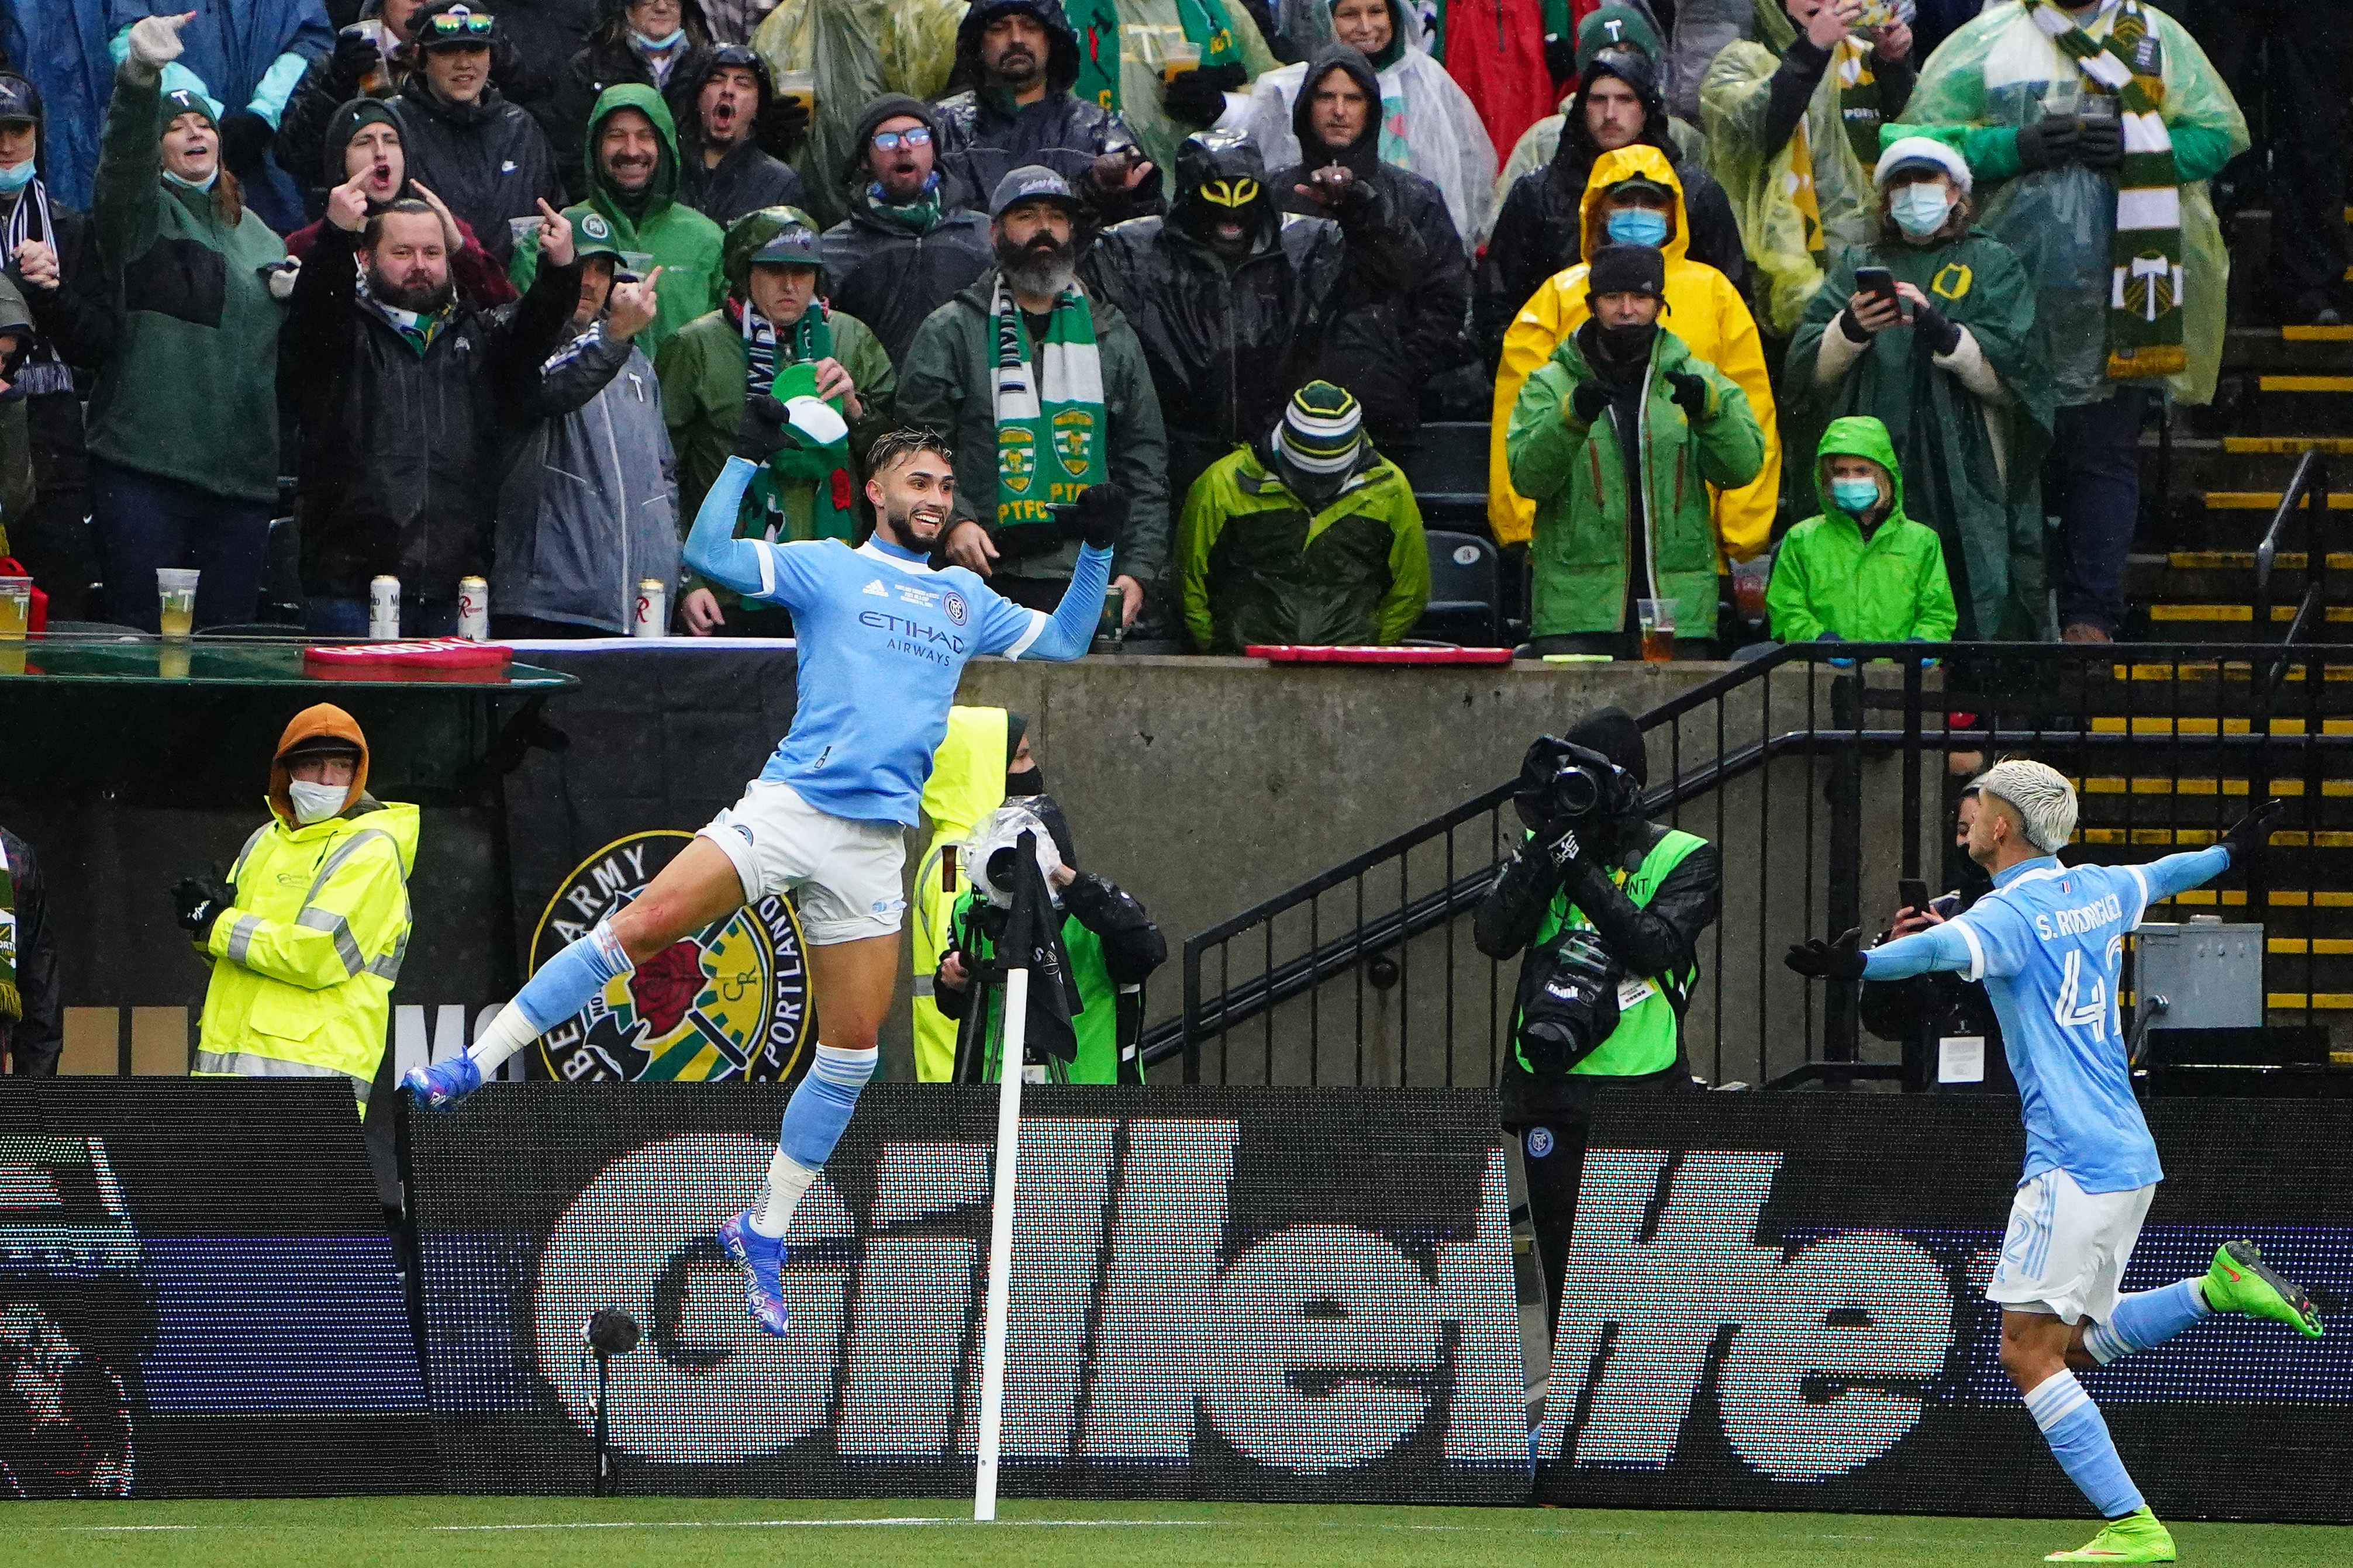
1041,268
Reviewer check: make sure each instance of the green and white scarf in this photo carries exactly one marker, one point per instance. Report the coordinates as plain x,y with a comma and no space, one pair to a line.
12,1002
1057,409
2144,291
784,365
418,328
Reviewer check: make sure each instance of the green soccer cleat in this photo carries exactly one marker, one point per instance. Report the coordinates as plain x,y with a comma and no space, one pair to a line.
2136,1537
2240,1282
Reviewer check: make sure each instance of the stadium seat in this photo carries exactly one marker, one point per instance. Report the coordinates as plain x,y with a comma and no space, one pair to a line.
1465,591
1449,476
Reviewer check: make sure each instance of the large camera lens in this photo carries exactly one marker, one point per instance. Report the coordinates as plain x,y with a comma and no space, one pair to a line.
1000,869
1574,792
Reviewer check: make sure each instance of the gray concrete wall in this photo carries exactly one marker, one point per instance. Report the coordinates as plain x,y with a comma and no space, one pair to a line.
1204,785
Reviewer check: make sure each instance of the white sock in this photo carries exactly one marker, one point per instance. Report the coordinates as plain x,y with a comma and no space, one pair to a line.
509,1032
787,1180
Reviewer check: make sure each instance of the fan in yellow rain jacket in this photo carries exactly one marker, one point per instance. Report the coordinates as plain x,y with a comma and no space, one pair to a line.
969,772
1703,310
307,936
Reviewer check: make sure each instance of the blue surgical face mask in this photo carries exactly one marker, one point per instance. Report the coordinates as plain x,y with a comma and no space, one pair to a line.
1920,209
1854,496
17,176
672,37
1639,226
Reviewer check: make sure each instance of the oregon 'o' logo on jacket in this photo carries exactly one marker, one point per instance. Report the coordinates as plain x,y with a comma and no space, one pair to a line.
1016,458
1074,435
730,1002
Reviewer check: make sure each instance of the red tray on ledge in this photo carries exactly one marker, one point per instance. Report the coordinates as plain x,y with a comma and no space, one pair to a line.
1316,653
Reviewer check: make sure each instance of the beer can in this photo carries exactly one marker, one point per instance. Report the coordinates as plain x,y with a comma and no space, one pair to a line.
384,606
653,615
474,609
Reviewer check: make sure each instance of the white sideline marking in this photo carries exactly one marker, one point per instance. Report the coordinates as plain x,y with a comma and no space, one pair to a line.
668,1523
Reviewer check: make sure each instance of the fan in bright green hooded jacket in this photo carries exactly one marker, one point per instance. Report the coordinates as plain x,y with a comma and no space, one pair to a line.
1771,196
1828,579
1576,474
1970,428
1993,77
650,231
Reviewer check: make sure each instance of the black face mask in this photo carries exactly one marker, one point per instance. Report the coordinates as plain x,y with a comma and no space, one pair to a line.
1030,781
1628,343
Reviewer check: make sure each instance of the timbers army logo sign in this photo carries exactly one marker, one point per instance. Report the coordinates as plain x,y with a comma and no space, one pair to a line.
731,1002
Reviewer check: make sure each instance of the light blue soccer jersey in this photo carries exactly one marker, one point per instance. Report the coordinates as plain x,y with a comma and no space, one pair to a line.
884,640
2048,941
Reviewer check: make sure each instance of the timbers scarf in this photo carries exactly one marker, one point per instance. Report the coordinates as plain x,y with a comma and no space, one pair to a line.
784,365
1049,422
2145,289
12,1002
1859,113
1206,23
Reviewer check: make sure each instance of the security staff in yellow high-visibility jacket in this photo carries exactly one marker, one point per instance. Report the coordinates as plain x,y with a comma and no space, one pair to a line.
307,935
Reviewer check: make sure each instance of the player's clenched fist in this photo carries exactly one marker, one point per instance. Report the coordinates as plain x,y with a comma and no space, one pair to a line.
1099,514
763,432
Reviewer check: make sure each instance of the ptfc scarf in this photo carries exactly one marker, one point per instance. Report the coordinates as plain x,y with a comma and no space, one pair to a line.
2144,276
1049,423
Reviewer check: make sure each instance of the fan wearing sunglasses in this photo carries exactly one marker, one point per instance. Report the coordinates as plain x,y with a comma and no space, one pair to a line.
914,238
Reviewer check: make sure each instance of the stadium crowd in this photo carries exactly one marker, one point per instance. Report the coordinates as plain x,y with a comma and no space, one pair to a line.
1842,304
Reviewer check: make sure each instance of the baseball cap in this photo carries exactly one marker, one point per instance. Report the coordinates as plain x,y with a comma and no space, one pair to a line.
19,104
454,24
1031,181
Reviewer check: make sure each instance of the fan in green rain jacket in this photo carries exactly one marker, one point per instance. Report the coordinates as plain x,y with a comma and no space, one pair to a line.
1597,534
648,226
1861,571
1311,537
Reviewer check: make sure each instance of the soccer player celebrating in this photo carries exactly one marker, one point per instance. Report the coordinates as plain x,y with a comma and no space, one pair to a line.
883,638
2047,941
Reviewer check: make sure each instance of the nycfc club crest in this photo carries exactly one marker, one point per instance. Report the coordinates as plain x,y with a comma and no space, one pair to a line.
1074,430
730,1002
1016,458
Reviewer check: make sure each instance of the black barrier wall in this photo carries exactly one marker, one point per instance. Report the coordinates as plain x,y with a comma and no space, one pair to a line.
197,1297
1255,1294
1776,1301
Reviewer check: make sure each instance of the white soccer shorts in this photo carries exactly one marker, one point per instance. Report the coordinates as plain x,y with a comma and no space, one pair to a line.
2066,1249
844,876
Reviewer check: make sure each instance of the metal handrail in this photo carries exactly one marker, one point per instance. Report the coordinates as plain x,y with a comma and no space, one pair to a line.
2309,484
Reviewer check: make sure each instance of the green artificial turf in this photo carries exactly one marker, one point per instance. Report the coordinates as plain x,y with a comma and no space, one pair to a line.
674,1533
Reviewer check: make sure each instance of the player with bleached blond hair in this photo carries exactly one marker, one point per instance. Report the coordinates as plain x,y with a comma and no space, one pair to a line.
2048,941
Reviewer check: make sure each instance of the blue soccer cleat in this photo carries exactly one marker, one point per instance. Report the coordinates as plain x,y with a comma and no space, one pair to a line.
443,1084
761,1258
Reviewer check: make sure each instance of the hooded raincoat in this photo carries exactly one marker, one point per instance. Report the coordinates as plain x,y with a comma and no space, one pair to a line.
747,177
1994,76
1384,343
1257,563
1969,427
1578,477
1829,580
1429,125
304,957
654,230
1736,110
989,135
891,267
967,783
857,50
1231,341
1703,309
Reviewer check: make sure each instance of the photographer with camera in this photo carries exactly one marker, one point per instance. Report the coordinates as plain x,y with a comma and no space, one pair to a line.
1608,907
1943,1007
1109,941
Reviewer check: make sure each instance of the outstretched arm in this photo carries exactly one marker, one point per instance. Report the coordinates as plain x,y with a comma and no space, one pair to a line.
1065,634
1939,947
2179,873
712,551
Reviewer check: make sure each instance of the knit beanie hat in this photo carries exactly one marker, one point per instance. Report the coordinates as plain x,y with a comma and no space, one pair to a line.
188,100
1626,269
1615,26
347,124
1322,431
1916,152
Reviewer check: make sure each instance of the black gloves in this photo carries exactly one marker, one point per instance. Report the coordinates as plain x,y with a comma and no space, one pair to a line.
1198,98
244,137
1690,394
1098,516
2100,146
1935,329
1839,959
355,55
1560,56
1590,399
781,128
198,901
2247,836
2049,141
762,433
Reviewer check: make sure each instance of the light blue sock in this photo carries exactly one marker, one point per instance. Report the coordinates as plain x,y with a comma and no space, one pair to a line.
564,983
819,1108
2079,1441
2147,1318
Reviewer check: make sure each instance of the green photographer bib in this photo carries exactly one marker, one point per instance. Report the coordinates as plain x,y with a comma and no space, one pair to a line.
1648,1007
